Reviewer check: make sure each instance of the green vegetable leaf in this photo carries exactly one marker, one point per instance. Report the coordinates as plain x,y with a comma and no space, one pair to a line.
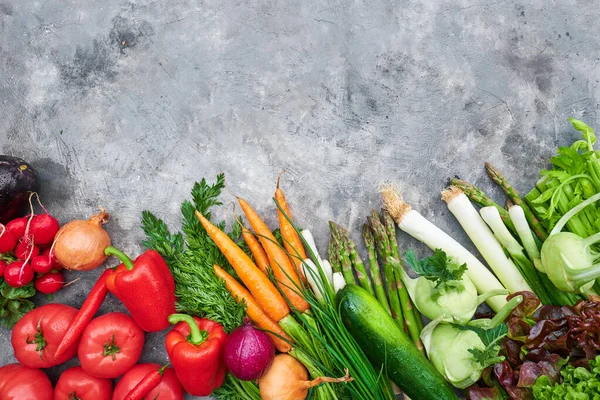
13,293
491,341
586,131
191,256
8,257
159,238
11,311
577,383
488,336
439,268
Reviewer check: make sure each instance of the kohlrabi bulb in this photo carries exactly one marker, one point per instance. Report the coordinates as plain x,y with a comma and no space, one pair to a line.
567,260
458,303
448,351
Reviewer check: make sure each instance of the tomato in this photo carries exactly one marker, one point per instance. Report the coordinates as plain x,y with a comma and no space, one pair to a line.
75,383
18,382
110,345
37,335
50,283
168,389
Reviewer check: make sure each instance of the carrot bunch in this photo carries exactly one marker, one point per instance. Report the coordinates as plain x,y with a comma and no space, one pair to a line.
266,303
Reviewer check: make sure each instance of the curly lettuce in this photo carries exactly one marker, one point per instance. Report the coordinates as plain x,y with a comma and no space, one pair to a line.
577,383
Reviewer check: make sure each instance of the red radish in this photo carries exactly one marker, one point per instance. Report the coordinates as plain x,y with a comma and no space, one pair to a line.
41,264
50,283
248,352
43,227
8,241
18,273
49,252
17,226
2,267
26,249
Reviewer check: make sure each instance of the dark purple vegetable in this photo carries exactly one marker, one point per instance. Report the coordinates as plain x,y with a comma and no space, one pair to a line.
249,352
17,178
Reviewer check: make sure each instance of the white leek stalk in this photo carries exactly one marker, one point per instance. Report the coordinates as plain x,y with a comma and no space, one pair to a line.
483,238
338,281
517,216
311,272
413,223
325,265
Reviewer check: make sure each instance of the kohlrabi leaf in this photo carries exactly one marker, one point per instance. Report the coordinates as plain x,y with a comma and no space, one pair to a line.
491,340
439,268
487,336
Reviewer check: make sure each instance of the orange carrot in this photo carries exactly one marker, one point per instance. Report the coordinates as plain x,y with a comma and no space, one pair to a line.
253,310
282,267
260,257
291,239
266,294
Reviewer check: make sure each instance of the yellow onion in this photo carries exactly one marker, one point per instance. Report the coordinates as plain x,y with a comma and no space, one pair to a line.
287,379
80,244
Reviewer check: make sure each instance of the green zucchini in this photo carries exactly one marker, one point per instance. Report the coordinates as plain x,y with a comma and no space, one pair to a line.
385,344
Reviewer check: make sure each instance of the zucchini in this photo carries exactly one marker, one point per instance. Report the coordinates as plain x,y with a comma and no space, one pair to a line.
385,344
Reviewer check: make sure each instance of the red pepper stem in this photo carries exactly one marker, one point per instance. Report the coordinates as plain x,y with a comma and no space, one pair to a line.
197,336
113,251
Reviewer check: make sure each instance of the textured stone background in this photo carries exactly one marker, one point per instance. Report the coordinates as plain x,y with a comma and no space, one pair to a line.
125,104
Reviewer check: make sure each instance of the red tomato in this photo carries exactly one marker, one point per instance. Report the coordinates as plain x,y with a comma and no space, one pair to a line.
75,383
168,389
37,335
110,345
2,268
18,382
50,283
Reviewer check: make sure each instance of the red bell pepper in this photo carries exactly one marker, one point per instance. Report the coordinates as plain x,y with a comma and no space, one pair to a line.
195,347
145,286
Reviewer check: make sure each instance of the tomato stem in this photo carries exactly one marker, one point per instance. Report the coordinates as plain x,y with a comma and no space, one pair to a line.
111,349
38,339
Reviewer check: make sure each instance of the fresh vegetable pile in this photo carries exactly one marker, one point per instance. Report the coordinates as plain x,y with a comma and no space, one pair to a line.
255,312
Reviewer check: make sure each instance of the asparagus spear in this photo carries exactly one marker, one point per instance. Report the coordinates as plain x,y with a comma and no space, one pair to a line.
344,254
412,317
374,267
514,196
357,263
477,196
334,256
385,251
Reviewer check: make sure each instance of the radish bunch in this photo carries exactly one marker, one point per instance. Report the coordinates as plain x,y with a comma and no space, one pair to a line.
30,240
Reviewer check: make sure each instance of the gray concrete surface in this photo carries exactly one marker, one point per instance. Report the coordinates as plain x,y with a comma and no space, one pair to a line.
125,104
